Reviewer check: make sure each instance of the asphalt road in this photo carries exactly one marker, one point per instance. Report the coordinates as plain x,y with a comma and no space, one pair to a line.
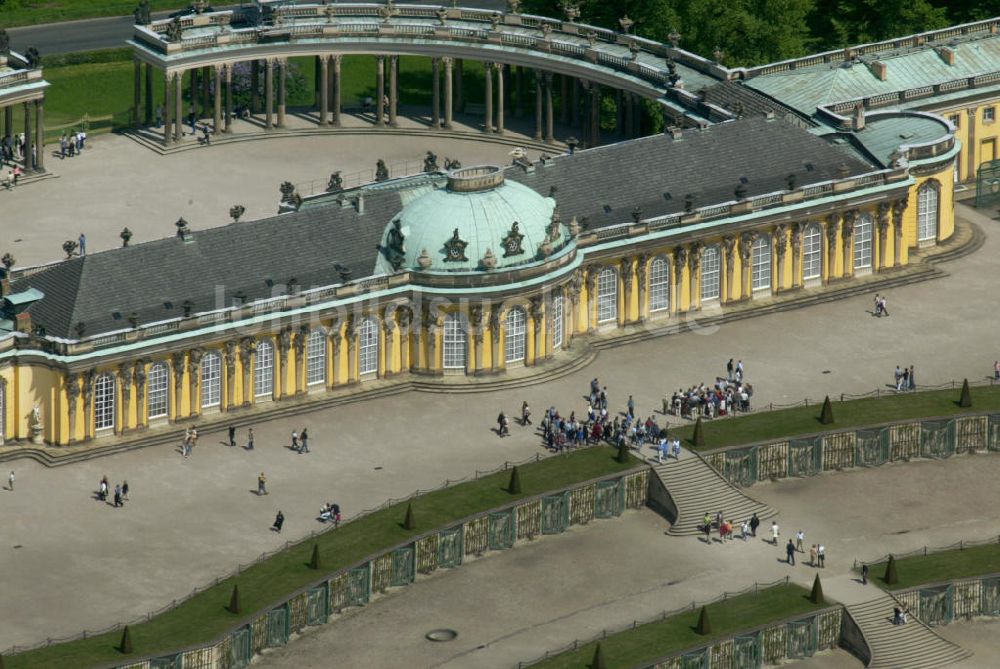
111,32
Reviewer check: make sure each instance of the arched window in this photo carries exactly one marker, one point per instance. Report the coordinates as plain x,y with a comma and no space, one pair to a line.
812,252
607,295
316,357
659,284
516,333
927,212
368,346
863,241
211,380
157,384
104,402
263,370
455,341
556,320
710,273
760,257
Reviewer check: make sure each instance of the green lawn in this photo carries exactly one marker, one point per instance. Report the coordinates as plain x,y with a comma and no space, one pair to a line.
204,617
942,566
31,12
653,640
769,425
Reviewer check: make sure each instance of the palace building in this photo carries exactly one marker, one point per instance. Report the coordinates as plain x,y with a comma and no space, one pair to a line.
460,275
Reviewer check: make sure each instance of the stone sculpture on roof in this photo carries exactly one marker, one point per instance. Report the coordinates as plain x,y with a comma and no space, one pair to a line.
512,243
454,248
394,249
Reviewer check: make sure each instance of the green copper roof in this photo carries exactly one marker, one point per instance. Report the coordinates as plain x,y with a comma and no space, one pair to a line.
883,136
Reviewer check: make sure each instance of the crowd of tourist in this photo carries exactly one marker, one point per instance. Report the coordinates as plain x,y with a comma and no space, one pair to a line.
729,394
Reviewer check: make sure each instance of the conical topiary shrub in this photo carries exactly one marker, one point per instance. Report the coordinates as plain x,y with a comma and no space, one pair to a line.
598,661
314,560
622,456
704,625
816,596
699,434
514,486
234,600
890,577
965,401
126,645
2,665
409,523
826,415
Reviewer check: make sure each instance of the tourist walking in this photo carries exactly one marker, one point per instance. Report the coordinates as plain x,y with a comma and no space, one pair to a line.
821,554
118,495
295,440
799,538
303,441
882,307
232,435
775,533
913,379
250,439
525,413
812,556
503,425
279,520
877,311
790,552
754,524
261,484
898,376
864,574
82,243
10,482
125,490
996,370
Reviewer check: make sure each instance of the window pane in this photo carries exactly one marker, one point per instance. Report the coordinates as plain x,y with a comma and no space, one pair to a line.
710,273
156,390
607,295
812,252
863,241
927,212
659,285
516,335
368,347
211,380
455,342
761,259
558,305
263,370
316,357
104,402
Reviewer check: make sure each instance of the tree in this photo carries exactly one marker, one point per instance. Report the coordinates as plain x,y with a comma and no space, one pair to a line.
816,596
622,456
236,211
514,486
409,523
890,577
126,643
704,625
826,415
598,661
965,401
749,32
698,438
314,562
234,600
848,22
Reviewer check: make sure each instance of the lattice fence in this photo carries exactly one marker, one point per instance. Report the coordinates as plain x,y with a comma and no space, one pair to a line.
582,504
529,519
839,450
970,434
904,441
772,461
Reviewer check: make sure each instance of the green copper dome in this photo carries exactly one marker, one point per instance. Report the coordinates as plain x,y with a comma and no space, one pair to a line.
478,222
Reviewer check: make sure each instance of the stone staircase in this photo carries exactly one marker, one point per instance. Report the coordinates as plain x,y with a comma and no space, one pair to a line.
910,646
695,487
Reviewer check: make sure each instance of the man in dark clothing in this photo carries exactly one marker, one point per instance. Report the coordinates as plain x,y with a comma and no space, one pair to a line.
790,552
232,435
754,524
279,520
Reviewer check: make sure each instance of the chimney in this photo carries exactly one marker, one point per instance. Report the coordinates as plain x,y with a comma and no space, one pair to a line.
360,203
4,287
23,320
675,133
879,69
858,120
947,54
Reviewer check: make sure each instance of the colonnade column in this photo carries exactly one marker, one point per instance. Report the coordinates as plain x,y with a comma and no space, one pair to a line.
40,134
282,76
847,243
898,207
537,321
193,83
500,95
254,85
564,99
178,106
488,105
679,261
390,327
620,112
435,93
229,99
641,263
380,91
336,91
168,116
205,92
459,93
29,140
217,101
538,105
548,108
448,84
595,114
324,89
884,209
136,91
636,115
747,240
149,95
269,94
694,261
393,90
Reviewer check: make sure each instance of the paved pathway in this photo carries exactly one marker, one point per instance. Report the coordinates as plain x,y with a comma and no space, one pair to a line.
140,558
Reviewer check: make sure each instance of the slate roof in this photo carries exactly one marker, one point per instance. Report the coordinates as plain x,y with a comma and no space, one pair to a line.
307,244
656,172
734,96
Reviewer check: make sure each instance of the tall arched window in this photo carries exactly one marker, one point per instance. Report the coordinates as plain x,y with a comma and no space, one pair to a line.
710,273
455,341
316,357
760,254
607,295
659,284
157,384
863,241
812,252
211,380
516,333
104,402
927,212
263,370
556,320
368,346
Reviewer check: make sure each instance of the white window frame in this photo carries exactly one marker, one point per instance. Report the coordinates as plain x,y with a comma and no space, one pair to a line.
211,380
864,247
711,266
760,263
989,114
557,323
455,346
368,347
928,203
316,357
812,252
263,370
659,285
104,402
158,391
607,295
515,335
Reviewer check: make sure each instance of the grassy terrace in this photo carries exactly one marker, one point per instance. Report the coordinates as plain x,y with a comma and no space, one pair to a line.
653,640
32,12
204,618
783,423
942,566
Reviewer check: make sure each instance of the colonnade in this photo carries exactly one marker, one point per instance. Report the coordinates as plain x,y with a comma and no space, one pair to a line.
33,130
211,96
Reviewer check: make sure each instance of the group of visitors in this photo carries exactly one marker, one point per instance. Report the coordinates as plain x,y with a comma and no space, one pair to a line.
330,512
72,144
880,308
727,528
904,379
728,395
190,441
104,490
817,552
300,441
